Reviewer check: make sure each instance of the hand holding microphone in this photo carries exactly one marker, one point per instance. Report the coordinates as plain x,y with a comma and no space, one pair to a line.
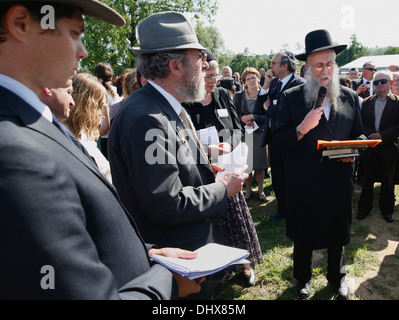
312,119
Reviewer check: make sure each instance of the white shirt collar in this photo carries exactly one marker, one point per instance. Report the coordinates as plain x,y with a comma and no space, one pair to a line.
285,80
171,99
27,95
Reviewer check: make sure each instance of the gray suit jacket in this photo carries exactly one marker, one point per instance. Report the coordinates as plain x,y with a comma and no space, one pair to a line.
59,211
160,175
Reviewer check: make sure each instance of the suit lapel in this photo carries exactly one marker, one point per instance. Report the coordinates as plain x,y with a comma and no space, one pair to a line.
30,118
176,123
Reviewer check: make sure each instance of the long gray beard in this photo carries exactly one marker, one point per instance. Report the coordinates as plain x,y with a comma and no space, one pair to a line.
192,89
312,88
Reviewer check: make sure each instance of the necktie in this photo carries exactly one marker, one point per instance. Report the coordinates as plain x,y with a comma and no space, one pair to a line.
59,126
190,127
278,90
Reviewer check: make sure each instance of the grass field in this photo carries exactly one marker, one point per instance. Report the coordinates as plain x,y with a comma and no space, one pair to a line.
366,258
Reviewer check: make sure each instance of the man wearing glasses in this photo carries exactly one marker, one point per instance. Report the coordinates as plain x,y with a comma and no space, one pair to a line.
364,86
380,115
319,190
158,165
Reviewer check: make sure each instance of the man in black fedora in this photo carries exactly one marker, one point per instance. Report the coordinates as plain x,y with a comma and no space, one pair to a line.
64,233
319,189
158,165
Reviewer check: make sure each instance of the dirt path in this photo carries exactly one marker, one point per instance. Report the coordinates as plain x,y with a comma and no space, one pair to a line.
382,281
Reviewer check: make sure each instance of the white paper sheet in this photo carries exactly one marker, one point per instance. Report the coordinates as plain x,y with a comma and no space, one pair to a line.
250,130
233,161
211,258
208,136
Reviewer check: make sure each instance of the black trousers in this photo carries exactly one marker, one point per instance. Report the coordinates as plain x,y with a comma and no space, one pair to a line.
278,165
303,257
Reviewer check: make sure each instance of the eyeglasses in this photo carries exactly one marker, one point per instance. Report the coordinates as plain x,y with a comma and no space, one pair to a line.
201,55
382,81
211,78
320,66
371,69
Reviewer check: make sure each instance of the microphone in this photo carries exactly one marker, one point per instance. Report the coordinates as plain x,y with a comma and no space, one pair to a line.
320,97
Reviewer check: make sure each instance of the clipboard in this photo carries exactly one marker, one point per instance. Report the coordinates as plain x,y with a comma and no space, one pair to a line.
347,144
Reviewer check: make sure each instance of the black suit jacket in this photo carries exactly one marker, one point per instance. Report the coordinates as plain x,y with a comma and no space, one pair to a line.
389,127
161,176
58,210
319,190
274,109
228,127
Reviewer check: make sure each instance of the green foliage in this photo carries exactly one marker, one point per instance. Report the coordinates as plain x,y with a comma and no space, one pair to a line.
107,43
353,52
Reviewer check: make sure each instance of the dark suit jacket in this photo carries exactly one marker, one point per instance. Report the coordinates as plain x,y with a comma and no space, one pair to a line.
231,123
160,175
58,210
357,82
274,109
319,190
389,127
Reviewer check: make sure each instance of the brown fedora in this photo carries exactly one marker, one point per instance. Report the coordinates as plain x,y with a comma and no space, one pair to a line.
166,31
319,40
90,8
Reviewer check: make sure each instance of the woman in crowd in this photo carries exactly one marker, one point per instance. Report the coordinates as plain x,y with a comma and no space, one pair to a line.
251,111
104,73
84,120
218,110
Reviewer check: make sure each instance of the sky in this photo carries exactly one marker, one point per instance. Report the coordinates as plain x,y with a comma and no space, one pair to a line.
263,26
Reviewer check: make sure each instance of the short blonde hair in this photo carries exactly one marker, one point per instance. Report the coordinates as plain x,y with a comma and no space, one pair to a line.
89,96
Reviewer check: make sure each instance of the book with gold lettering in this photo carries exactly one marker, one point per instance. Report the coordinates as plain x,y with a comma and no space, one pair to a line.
345,148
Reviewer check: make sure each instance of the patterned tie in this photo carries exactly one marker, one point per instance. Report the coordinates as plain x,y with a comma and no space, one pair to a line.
190,128
59,126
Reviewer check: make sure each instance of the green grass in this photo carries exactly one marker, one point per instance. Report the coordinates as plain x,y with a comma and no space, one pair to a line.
275,279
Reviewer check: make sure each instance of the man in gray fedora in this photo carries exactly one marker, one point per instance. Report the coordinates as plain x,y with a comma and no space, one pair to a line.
319,190
157,163
64,233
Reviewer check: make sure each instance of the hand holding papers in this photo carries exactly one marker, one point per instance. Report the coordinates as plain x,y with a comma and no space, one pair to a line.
345,148
211,258
250,129
234,161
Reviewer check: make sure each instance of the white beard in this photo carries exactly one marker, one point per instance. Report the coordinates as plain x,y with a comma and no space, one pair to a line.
312,88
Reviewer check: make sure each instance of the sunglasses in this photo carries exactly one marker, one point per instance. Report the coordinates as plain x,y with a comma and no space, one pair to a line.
382,81
371,69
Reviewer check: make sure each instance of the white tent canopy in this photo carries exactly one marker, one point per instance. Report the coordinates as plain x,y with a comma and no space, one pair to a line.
381,62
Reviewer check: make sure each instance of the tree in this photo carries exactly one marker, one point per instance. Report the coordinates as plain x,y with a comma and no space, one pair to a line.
391,50
210,38
107,43
353,52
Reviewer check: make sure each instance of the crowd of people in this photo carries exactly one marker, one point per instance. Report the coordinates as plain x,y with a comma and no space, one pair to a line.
101,172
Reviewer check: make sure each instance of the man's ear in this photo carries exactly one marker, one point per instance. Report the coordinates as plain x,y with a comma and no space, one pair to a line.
47,92
18,21
176,67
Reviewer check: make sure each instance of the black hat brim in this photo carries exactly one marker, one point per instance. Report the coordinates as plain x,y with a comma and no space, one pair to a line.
338,49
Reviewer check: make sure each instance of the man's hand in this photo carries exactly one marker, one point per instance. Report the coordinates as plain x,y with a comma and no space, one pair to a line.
215,151
234,182
185,286
311,120
269,75
173,253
